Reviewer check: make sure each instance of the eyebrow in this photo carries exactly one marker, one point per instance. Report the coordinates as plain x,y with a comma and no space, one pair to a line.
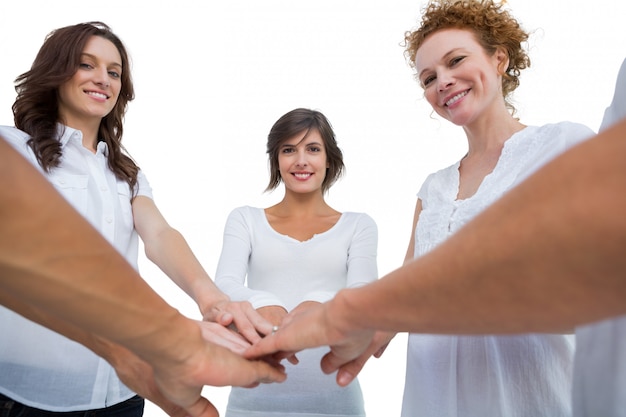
287,145
114,64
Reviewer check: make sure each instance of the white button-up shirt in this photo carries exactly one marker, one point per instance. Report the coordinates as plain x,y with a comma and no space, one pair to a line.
39,367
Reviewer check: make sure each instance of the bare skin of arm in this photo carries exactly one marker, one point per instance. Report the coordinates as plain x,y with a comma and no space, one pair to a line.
548,255
168,249
51,258
133,371
136,373
410,251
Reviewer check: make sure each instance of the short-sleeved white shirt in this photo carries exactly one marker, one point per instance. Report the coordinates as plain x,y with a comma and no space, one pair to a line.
617,109
39,367
600,362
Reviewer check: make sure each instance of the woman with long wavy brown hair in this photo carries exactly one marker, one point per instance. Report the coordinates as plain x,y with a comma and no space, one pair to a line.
69,123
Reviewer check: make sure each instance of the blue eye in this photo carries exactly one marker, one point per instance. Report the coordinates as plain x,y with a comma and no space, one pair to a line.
114,74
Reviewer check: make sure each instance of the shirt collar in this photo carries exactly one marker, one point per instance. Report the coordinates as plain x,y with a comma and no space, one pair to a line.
66,133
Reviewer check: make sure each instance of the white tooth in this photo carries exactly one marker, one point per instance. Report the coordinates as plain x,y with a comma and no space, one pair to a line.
455,98
97,94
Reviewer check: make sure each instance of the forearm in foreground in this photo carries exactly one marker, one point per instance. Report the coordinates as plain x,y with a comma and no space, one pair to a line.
546,257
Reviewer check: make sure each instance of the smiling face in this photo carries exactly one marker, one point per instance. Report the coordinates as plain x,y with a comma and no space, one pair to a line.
302,162
460,80
93,90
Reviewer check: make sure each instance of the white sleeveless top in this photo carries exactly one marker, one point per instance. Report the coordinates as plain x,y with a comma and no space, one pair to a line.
481,376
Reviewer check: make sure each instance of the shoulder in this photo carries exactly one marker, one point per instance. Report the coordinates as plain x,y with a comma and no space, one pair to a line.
19,141
247,210
246,213
362,220
566,127
439,181
11,132
567,130
14,136
558,136
443,173
617,109
537,145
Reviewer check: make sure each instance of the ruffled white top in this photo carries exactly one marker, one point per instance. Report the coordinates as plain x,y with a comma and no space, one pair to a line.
478,376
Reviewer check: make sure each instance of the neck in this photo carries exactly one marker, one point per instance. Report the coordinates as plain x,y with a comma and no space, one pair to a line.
302,205
89,129
489,133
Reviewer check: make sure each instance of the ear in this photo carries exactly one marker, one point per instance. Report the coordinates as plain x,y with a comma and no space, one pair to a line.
501,58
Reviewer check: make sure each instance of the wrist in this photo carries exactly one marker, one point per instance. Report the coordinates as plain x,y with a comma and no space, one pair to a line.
343,312
208,297
171,341
111,352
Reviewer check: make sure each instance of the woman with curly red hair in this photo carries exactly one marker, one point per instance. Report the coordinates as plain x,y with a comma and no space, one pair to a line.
467,56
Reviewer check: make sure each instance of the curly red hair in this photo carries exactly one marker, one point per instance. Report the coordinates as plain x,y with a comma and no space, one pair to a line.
492,25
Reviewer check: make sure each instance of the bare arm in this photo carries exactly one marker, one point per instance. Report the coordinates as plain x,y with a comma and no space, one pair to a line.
548,255
410,251
51,258
168,249
132,370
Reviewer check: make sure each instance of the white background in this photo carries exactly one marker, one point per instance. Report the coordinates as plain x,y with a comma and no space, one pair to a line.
211,78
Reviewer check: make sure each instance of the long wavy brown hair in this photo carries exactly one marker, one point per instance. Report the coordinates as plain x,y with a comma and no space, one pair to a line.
36,108
492,25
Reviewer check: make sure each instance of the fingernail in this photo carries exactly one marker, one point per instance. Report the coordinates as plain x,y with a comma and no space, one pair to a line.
344,378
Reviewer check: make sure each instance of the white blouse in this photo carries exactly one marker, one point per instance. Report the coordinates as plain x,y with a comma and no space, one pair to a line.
39,367
600,361
478,376
617,109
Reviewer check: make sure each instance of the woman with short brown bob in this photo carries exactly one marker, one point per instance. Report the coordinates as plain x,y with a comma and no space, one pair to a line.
293,255
467,57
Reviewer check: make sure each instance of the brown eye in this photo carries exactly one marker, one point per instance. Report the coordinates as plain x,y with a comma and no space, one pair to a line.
428,80
456,60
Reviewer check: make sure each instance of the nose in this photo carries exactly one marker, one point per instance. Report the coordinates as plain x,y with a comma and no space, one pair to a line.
444,80
102,78
301,159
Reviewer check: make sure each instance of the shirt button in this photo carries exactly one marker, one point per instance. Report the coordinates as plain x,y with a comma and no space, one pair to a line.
103,188
109,220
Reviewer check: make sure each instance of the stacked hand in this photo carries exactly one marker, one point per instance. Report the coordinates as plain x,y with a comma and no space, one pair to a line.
176,388
314,326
